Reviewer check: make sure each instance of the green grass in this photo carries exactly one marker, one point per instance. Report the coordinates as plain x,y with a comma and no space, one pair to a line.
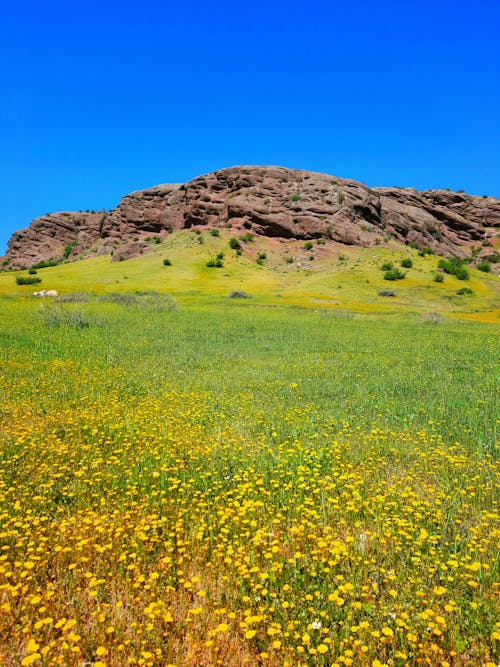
352,283
308,476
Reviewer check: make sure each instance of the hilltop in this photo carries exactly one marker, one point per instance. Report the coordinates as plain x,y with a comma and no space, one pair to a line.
268,202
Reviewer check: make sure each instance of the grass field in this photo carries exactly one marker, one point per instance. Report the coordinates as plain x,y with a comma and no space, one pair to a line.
276,480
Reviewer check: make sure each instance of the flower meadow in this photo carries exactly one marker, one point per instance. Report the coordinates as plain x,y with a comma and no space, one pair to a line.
230,485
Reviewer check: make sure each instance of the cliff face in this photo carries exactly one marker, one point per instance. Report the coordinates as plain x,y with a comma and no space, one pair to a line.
271,201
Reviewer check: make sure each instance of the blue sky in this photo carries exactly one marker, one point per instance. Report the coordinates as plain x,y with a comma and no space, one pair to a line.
101,98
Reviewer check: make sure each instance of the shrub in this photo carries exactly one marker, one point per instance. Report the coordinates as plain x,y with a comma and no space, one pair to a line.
32,272
56,314
465,290
28,280
46,263
247,238
426,251
68,249
215,263
234,244
289,260
308,245
341,197
386,292
438,278
239,295
455,267
388,266
394,274
167,262
220,255
406,263
295,197
214,232
484,266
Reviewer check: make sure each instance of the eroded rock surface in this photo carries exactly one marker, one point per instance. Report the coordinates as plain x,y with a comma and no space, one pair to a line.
271,201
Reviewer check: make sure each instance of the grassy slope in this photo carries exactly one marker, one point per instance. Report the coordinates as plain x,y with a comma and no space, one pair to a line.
338,277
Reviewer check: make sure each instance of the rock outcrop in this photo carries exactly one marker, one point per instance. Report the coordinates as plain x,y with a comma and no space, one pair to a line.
271,201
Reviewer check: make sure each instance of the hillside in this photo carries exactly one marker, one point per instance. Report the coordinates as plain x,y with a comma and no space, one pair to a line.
266,201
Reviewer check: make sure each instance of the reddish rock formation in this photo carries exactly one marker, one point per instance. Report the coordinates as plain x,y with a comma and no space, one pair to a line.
271,201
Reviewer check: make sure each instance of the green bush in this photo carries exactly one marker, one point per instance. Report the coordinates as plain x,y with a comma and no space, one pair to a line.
406,263
68,249
167,262
388,266
465,290
46,263
289,260
426,251
455,267
295,197
438,278
247,238
214,232
308,245
484,266
234,244
27,280
394,274
32,272
216,263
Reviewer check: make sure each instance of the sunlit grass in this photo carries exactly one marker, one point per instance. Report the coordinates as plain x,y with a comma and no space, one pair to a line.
337,277
231,484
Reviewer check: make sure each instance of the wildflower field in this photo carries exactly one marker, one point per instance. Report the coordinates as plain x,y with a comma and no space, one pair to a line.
235,485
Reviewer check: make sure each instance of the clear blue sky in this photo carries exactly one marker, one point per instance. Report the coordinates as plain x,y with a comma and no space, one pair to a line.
101,98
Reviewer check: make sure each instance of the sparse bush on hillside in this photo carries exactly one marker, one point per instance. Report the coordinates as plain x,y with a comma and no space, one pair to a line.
46,263
455,267
214,232
28,280
74,297
236,294
234,244
426,251
32,272
215,263
69,248
289,260
295,197
387,266
484,266
141,300
406,263
394,274
465,290
58,314
247,238
308,245
167,262
438,278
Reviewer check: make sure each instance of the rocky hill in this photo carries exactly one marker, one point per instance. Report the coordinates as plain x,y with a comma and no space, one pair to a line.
270,201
